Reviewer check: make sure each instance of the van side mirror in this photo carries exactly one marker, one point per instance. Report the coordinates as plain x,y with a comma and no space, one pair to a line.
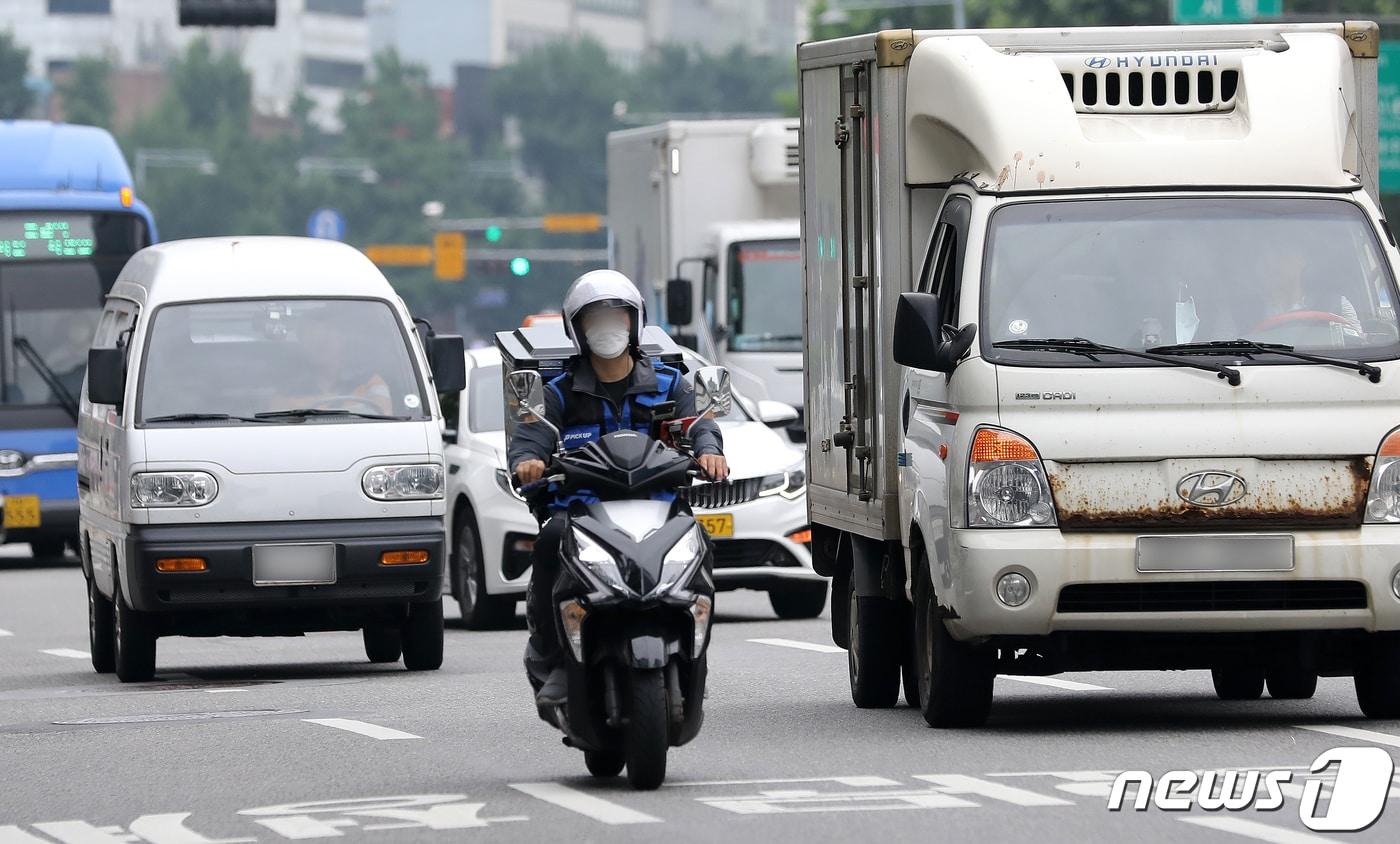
680,301
447,357
713,395
106,376
919,340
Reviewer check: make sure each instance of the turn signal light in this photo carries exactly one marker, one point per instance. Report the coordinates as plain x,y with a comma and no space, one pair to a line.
995,446
803,536
403,558
1390,446
178,564
127,197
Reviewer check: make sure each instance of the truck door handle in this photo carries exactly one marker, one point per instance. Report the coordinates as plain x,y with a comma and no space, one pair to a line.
843,439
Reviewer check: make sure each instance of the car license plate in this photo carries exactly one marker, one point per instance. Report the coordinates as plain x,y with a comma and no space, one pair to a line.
293,565
718,525
22,511
1219,552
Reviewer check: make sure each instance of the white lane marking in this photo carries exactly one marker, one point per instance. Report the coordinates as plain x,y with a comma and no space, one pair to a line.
67,652
374,731
1254,829
852,782
966,786
1055,682
1353,733
801,646
223,691
585,804
15,835
4,633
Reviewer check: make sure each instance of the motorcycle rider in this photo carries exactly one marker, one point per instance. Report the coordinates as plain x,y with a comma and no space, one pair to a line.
609,385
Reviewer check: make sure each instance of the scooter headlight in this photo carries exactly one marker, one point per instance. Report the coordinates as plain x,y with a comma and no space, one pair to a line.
598,562
679,562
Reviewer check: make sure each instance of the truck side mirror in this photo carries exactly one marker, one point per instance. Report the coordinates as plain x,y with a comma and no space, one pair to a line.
918,335
680,301
447,357
713,395
106,376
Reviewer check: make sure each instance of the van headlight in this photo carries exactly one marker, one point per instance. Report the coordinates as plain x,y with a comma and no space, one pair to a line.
173,489
679,563
415,481
1006,483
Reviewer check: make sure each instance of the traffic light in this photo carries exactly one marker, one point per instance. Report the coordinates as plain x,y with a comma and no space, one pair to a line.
493,234
228,12
520,266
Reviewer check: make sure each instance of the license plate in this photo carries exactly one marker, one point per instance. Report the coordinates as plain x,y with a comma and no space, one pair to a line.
718,525
1250,552
293,565
22,511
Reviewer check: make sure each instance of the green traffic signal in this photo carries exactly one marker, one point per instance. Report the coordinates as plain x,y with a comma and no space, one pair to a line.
493,234
520,266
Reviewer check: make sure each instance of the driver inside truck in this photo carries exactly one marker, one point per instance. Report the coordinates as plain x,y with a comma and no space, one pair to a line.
1295,287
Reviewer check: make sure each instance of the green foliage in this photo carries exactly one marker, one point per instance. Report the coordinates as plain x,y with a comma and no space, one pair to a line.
87,93
682,80
996,13
15,98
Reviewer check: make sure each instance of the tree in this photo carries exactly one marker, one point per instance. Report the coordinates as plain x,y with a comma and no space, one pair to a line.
15,96
679,80
87,93
995,13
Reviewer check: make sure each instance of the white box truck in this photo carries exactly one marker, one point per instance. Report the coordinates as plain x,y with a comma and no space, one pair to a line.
1102,359
703,217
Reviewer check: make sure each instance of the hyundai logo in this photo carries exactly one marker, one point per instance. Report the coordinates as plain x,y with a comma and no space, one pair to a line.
1097,62
1211,489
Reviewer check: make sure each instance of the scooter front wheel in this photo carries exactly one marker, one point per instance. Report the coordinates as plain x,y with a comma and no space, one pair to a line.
647,736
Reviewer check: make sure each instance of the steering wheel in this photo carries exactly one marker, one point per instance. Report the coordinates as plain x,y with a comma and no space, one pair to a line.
372,406
1291,317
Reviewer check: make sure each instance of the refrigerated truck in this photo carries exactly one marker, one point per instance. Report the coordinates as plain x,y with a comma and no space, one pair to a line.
1102,358
703,217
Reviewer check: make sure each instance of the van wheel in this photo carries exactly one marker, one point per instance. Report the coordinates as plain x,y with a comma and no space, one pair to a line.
1291,682
383,644
1378,677
101,631
422,637
134,634
955,678
874,656
1238,682
480,611
798,600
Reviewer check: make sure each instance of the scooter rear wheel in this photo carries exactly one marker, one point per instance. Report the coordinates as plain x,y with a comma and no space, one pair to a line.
647,736
603,763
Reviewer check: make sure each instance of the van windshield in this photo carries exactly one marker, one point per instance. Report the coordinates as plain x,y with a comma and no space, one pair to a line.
262,361
1186,273
765,296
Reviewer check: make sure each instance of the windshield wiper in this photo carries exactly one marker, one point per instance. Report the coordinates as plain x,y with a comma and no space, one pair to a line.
1249,348
1090,349
202,417
60,392
306,412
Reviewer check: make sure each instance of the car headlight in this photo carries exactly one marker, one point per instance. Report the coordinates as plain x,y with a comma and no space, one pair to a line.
679,563
1383,501
414,481
598,562
173,489
789,484
507,485
1006,483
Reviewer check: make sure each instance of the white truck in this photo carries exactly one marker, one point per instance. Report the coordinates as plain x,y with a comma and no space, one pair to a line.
1101,364
702,215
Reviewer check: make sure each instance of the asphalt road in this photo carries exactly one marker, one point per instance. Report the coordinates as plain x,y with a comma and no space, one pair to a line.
269,740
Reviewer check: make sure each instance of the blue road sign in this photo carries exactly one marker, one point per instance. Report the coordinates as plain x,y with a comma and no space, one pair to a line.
326,223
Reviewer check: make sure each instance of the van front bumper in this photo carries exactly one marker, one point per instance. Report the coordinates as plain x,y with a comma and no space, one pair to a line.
227,549
1341,580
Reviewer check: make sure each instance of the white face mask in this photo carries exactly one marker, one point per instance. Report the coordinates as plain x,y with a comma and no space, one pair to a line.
607,341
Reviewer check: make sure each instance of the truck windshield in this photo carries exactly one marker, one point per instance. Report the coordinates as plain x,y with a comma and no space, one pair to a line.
290,361
765,296
1190,274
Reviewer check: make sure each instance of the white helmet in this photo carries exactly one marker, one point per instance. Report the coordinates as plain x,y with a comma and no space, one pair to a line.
610,288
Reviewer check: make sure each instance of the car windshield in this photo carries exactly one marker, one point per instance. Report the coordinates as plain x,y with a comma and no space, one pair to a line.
486,407
1145,273
327,360
765,296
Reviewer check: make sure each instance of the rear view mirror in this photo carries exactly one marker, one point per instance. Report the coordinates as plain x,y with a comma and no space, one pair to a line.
447,357
713,395
525,398
680,304
919,340
106,376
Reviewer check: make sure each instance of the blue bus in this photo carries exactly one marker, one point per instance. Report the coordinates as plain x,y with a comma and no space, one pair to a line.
68,223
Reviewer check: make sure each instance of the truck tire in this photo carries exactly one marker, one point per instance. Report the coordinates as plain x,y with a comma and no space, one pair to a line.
876,651
101,631
1290,682
383,644
803,599
1238,682
955,678
422,637
134,635
1378,677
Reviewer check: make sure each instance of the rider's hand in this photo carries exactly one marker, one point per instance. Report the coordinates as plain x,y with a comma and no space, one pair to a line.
529,471
716,468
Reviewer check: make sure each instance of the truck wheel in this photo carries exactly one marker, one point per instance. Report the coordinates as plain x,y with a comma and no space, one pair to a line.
1290,682
422,637
1238,682
875,653
134,635
101,631
480,611
383,644
602,763
647,736
955,678
798,600
1378,677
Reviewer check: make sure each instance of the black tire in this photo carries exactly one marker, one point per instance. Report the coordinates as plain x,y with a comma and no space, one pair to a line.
101,631
876,652
383,644
422,637
1290,682
134,635
1238,682
480,611
48,548
955,678
802,599
603,763
647,736
1378,677
841,607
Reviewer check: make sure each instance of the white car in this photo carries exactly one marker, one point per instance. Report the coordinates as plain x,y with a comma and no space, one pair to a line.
758,518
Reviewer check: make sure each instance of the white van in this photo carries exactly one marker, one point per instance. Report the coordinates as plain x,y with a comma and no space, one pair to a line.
260,453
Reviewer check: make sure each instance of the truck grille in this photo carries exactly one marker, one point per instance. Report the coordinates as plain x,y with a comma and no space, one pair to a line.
1213,596
724,494
1163,83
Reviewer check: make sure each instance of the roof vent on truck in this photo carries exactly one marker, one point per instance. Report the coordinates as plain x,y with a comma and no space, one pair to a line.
1151,83
773,153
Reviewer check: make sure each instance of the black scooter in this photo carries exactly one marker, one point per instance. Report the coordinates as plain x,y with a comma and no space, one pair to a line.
635,592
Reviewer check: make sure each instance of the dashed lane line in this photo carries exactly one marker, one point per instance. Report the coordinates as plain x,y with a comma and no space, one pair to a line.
363,728
1055,682
70,653
1354,733
801,646
1256,830
852,782
583,803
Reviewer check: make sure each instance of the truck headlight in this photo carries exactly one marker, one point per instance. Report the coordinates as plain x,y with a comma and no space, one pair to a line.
1383,500
414,481
598,562
1006,483
680,562
173,489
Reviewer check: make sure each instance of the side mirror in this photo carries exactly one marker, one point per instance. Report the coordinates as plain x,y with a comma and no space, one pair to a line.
713,396
106,376
776,414
447,357
680,301
525,398
918,335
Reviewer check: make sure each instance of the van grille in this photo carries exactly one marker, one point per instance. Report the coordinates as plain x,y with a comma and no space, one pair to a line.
724,494
1158,84
1213,596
